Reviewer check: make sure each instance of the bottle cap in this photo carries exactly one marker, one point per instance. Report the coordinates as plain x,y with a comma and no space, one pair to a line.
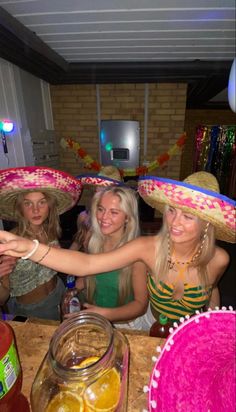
163,319
70,282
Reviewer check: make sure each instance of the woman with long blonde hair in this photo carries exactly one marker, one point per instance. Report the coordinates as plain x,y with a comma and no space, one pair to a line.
119,295
184,262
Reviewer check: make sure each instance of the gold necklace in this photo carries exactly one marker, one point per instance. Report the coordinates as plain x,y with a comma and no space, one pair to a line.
172,263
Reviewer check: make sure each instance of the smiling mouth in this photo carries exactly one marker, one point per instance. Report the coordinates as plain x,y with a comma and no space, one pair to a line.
176,231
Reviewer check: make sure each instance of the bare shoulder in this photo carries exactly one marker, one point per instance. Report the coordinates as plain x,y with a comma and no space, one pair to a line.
221,256
218,264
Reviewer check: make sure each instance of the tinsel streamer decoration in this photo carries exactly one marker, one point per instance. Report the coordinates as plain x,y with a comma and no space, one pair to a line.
205,145
199,139
214,133
227,158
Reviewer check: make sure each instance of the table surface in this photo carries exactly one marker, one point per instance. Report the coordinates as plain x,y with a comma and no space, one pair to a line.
33,339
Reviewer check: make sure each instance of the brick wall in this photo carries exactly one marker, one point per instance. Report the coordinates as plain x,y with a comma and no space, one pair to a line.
193,119
75,115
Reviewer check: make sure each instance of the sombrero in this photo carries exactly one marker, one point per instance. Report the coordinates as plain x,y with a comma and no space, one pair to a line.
107,176
64,187
198,194
196,369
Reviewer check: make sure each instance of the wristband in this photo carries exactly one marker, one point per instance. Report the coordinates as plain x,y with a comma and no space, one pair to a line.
44,255
32,251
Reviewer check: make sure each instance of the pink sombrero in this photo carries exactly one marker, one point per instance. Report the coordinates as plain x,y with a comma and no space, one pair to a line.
107,176
196,369
63,186
198,194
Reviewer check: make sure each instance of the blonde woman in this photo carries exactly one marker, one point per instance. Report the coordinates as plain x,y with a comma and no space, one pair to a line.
184,262
34,197
118,295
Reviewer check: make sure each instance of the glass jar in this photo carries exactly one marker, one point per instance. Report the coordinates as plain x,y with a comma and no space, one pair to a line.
86,368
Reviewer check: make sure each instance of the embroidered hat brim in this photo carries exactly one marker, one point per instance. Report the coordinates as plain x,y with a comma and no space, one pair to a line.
96,180
204,202
64,187
196,369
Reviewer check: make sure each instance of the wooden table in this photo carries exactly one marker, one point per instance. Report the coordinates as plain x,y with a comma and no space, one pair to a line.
33,342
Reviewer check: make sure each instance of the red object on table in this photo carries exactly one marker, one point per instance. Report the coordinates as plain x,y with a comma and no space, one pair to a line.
11,398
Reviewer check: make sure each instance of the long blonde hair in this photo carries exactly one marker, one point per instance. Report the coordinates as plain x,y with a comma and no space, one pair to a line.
129,205
51,225
200,260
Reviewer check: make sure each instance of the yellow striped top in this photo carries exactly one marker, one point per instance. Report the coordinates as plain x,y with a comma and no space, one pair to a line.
161,301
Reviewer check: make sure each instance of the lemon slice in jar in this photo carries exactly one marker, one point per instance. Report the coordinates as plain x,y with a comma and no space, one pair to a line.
88,361
66,401
78,386
104,394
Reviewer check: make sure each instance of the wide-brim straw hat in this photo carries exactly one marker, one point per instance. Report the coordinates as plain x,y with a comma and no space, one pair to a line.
107,176
64,187
196,369
199,195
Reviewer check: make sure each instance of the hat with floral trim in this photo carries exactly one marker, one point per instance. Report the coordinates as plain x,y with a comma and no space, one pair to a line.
64,187
198,194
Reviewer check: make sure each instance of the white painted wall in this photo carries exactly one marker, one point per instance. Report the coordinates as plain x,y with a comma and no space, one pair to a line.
25,99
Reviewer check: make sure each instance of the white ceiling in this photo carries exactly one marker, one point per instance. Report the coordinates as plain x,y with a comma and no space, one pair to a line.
131,30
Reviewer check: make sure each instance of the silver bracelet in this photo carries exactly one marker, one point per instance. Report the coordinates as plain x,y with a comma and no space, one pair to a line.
32,251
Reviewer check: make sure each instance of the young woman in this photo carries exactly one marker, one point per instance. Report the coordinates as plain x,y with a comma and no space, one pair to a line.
34,197
118,295
108,176
184,262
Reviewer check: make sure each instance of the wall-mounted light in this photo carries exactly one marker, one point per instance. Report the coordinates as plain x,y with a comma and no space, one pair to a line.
6,126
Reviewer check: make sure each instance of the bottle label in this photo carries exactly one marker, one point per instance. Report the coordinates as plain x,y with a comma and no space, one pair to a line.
9,370
74,305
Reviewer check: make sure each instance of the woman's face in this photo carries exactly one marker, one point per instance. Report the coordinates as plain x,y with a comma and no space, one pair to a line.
182,226
110,217
35,208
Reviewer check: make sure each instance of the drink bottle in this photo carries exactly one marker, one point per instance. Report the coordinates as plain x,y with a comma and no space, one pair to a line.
70,301
11,398
160,328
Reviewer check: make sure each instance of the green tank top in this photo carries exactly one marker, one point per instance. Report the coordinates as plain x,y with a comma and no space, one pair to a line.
106,292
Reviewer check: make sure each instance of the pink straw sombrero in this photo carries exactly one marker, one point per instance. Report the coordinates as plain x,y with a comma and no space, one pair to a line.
198,194
63,186
196,369
107,176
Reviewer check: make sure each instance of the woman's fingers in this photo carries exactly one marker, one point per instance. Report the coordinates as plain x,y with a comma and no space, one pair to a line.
13,245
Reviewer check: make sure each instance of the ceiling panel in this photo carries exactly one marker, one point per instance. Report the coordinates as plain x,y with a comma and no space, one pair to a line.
82,41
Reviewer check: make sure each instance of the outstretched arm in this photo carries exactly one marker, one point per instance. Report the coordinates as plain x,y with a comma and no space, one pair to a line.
73,262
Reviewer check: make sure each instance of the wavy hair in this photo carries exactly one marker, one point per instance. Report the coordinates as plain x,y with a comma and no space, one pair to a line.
129,205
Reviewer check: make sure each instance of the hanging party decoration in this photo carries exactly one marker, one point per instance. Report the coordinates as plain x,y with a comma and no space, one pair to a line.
159,161
215,152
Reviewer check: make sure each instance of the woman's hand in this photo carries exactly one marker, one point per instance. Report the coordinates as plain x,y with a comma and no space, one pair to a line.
13,245
94,309
7,264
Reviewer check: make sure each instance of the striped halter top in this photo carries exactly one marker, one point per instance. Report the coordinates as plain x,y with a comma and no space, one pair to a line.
161,300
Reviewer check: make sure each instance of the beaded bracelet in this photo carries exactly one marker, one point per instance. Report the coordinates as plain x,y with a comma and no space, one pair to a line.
32,251
45,254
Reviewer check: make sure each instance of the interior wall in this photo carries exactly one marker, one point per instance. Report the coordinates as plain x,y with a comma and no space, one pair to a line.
193,119
75,116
